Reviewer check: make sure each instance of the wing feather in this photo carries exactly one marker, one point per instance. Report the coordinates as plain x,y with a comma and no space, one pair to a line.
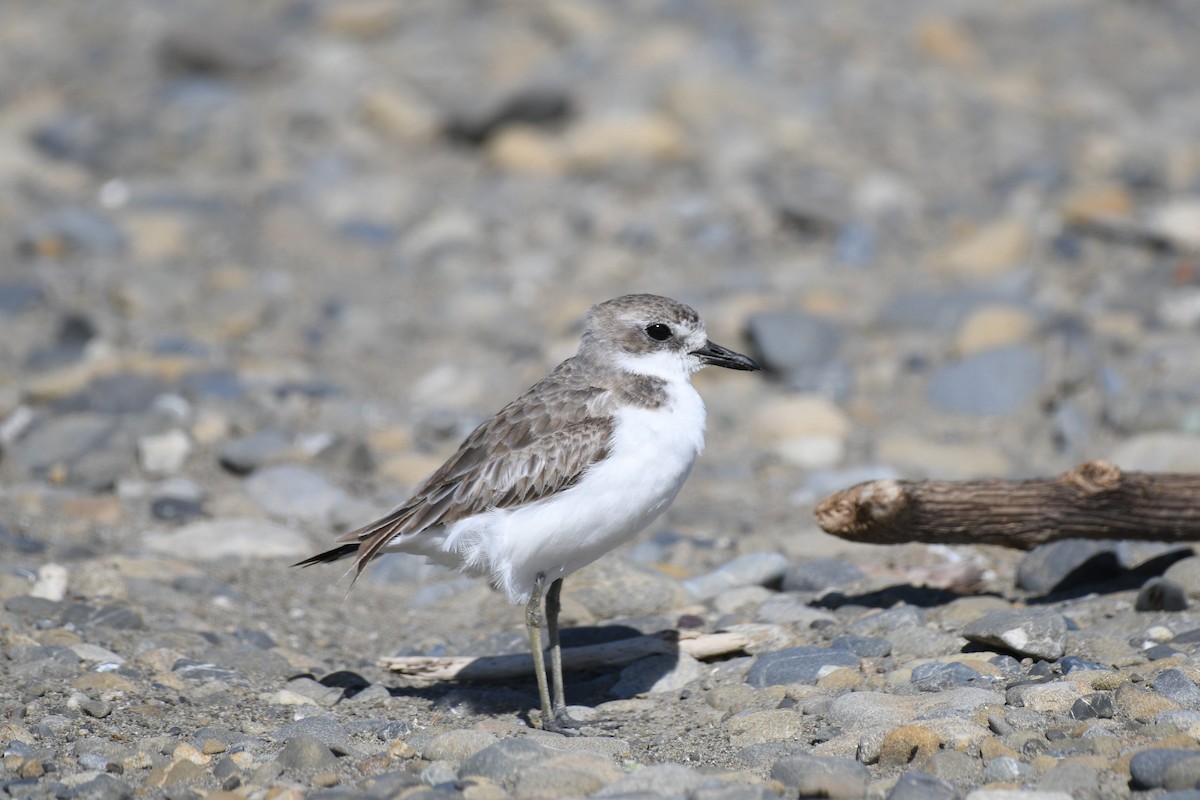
538,445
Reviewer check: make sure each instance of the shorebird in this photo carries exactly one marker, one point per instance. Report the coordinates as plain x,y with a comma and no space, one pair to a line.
586,458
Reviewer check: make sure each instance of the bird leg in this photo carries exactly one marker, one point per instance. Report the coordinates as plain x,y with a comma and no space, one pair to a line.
533,624
553,605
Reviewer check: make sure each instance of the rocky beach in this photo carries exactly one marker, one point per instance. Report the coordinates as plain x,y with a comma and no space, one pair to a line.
264,265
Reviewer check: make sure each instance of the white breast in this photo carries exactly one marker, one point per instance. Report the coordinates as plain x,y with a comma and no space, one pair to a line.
651,455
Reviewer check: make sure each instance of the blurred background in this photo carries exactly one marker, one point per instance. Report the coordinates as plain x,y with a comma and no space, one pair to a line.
272,260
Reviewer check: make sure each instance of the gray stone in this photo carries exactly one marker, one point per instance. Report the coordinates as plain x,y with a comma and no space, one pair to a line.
1065,564
613,587
114,616
658,780
793,610
292,491
19,295
657,674
1182,775
1024,632
798,665
304,753
922,786
1005,769
456,746
819,574
1072,780
72,231
997,381
1148,769
958,768
751,569
93,449
503,761
210,540
1175,685
245,454
863,646
817,776
326,730
888,621
792,343
937,676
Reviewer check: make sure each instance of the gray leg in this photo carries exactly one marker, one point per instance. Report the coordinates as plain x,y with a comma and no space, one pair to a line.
553,605
533,624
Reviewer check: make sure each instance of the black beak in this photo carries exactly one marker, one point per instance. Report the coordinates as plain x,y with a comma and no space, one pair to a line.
722,357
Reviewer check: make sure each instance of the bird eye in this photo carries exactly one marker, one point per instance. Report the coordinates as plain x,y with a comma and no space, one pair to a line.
658,332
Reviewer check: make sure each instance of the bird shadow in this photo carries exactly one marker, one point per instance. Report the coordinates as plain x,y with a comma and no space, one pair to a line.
586,686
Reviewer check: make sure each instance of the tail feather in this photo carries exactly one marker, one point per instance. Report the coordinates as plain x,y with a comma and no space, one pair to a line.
329,556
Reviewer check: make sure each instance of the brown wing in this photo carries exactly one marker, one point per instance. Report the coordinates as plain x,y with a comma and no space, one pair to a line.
530,450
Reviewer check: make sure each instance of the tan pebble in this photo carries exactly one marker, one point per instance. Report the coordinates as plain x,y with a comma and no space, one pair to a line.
758,727
138,760
156,237
326,779
58,637
176,773
952,460
103,682
159,659
521,148
991,747
990,251
907,744
1044,763
1141,704
32,768
399,113
361,19
1097,202
945,40
400,749
602,142
840,678
103,510
242,759
187,752
211,747
98,580
993,326
290,793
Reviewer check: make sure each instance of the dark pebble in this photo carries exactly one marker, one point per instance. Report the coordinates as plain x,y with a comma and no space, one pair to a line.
1160,651
176,509
245,454
122,393
922,786
797,665
1160,594
1076,664
531,105
1097,705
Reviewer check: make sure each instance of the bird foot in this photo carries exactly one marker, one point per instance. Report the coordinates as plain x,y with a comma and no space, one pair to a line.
563,723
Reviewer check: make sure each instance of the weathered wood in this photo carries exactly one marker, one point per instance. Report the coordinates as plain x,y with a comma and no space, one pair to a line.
608,654
1095,500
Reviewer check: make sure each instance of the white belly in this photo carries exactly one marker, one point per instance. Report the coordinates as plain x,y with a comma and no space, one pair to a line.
651,455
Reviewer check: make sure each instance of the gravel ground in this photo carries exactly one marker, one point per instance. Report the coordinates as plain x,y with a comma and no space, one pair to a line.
263,265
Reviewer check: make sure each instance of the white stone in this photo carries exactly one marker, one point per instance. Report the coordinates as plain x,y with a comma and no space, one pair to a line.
164,453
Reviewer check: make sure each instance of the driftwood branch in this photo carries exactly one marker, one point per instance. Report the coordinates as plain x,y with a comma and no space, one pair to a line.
1095,500
575,659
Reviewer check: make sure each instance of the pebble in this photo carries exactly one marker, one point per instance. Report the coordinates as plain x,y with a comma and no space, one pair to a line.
655,674
612,588
304,753
209,540
504,761
1027,632
1001,380
798,346
822,777
244,454
751,569
1066,564
820,573
294,492
164,453
922,786
798,665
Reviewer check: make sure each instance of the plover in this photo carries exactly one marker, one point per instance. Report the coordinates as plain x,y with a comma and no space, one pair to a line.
577,465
